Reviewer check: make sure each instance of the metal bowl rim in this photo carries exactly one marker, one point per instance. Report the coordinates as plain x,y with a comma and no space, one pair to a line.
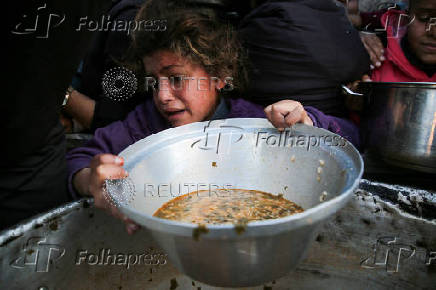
420,85
262,223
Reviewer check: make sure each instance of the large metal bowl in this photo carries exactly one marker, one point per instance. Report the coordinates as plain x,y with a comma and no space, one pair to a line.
400,123
239,153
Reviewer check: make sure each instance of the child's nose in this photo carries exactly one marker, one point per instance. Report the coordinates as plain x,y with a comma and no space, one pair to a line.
431,28
165,94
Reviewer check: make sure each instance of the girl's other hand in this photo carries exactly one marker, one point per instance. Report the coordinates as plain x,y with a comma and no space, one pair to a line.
286,113
102,167
374,47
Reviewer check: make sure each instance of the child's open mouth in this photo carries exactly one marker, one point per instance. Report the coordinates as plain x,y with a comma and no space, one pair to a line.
174,114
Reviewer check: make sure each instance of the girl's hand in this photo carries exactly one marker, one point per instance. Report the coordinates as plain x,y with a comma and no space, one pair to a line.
374,47
90,181
286,113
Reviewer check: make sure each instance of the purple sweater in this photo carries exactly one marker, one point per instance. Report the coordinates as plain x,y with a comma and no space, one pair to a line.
146,120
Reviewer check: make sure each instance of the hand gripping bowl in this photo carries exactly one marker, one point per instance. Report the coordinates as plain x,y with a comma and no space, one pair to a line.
302,163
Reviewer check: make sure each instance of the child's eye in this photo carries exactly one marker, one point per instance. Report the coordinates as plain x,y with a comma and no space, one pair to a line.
423,18
177,79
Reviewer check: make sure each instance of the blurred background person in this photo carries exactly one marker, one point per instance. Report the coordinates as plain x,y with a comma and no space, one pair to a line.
43,48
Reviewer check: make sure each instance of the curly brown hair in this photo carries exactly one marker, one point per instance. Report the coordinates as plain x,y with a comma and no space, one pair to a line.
193,32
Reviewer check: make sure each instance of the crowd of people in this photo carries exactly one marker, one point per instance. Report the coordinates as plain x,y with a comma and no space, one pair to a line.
286,60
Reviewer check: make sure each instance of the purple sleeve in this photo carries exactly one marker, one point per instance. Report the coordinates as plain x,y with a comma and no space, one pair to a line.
342,127
110,139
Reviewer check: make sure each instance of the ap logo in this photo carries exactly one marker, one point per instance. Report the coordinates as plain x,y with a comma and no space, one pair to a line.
38,254
215,141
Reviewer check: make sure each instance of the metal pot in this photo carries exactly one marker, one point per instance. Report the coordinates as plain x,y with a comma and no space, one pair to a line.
399,123
238,153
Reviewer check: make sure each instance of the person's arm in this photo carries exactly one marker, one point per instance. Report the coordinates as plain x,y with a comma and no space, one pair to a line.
81,180
81,108
108,140
343,127
90,181
111,139
91,165
352,7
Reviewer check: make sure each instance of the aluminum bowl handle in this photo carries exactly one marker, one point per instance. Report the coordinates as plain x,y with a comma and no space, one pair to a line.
348,91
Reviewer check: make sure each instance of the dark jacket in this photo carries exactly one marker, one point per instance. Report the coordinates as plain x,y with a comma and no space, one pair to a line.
107,50
302,50
40,65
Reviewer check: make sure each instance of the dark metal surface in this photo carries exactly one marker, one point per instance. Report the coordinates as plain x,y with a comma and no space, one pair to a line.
370,244
378,170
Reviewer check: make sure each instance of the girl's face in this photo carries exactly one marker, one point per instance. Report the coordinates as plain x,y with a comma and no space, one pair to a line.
422,31
184,92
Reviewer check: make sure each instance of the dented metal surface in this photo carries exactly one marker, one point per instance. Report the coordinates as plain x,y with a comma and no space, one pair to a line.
372,243
412,201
